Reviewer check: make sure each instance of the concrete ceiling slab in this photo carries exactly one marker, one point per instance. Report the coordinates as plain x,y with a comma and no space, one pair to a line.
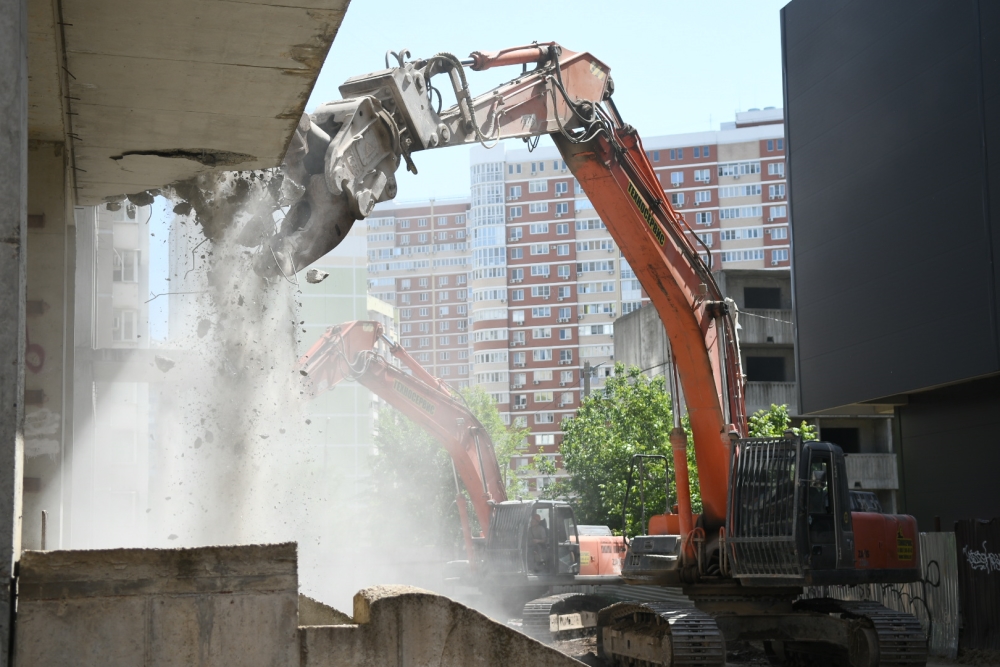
161,91
44,72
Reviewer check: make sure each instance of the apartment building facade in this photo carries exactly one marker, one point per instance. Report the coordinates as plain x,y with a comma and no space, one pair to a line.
418,261
545,280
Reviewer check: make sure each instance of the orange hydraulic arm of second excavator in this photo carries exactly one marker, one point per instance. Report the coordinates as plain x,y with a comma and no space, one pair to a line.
349,352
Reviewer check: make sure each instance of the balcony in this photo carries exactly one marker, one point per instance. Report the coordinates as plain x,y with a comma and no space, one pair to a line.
758,324
761,395
872,472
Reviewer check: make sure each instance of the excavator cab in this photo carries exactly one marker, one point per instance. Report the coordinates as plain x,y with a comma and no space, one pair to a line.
535,540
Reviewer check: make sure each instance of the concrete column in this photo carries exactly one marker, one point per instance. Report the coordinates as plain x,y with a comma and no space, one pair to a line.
13,233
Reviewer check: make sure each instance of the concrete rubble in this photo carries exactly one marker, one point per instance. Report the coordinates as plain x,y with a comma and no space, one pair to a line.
240,605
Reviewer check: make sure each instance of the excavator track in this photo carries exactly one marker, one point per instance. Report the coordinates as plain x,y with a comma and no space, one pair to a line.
899,638
657,634
561,616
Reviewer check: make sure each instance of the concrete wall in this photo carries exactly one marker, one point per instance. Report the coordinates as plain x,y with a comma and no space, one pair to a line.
208,606
400,626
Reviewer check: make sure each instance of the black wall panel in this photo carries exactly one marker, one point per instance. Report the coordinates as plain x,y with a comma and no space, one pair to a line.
950,453
893,235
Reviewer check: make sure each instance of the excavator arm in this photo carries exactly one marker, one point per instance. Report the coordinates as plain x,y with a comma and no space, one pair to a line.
566,95
350,351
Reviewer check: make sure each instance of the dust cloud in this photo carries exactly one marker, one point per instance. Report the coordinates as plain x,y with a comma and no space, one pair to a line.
236,452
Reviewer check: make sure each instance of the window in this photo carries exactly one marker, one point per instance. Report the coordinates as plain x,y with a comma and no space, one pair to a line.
602,265
517,316
739,168
519,359
538,228
539,248
562,187
516,275
740,212
565,398
520,400
425,342
515,191
460,280
770,145
562,208
703,218
126,266
545,418
566,376
517,295
444,356
589,224
778,233
518,337
538,186
656,156
776,191
125,325
740,233
444,340
444,326
421,238
404,224
778,212
750,190
765,369
541,311
563,272
781,144
424,327
516,233
762,297
562,250
405,328
543,397
705,239
565,334
407,342
538,207
442,281
702,196
442,221
404,239
540,270
461,294
542,291
697,151
541,332
422,282
702,175
421,222
564,292
564,314
517,253
565,356
779,255
405,313
514,212
677,199
776,169
404,283
424,296
742,255
541,354
676,178
423,312
443,311
562,228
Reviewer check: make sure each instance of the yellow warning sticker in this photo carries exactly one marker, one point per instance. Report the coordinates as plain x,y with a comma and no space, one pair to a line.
584,558
904,545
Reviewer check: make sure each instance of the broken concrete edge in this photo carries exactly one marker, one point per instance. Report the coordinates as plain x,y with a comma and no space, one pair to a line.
45,575
312,612
366,598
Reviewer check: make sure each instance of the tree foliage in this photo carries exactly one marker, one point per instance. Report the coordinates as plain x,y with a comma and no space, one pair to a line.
773,422
630,415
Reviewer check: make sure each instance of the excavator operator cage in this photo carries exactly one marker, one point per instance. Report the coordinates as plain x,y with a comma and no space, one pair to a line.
506,545
762,527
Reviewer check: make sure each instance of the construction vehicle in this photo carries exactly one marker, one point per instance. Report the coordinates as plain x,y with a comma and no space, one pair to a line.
510,560
777,515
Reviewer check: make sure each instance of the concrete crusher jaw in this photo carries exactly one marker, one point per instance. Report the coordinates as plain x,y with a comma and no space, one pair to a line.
342,159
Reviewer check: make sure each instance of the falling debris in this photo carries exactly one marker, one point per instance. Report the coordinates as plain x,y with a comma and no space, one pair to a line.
171,537
183,208
314,276
163,363
203,327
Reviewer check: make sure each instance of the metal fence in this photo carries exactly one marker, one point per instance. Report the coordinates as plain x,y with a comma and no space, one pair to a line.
978,544
933,600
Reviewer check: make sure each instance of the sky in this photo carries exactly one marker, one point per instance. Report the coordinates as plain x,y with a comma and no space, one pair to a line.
677,66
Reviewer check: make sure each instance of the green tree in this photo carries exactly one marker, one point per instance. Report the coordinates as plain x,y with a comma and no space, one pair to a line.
413,480
630,415
773,423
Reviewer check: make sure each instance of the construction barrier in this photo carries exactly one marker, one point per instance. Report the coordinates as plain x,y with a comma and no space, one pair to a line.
978,544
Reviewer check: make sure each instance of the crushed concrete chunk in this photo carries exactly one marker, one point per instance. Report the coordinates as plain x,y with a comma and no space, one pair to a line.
314,276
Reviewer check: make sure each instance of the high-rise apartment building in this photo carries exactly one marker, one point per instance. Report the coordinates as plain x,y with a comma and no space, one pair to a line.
545,279
418,260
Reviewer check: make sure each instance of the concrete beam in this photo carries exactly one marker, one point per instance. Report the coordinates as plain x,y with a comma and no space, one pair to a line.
13,272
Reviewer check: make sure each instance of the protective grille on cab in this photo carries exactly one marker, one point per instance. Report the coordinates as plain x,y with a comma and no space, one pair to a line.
506,545
763,498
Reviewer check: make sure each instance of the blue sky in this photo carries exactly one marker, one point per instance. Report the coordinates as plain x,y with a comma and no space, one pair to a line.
677,66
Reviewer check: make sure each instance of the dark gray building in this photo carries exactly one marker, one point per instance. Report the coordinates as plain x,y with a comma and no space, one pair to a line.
893,128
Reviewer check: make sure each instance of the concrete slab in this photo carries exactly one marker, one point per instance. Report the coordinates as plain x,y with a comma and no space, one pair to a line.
208,606
397,626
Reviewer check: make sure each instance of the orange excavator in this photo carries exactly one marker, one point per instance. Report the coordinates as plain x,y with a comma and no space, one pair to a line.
525,546
777,514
